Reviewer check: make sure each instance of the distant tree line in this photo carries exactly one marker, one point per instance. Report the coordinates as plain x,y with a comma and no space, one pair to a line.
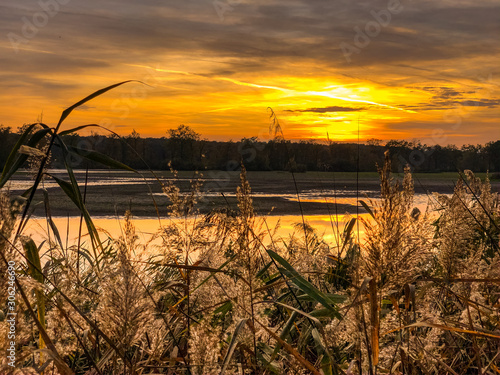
184,149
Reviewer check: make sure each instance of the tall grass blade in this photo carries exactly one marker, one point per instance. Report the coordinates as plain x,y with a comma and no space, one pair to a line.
326,360
73,193
374,321
232,345
34,267
17,159
39,175
62,367
310,317
99,158
13,153
347,233
303,284
446,328
367,208
97,93
78,199
285,332
75,129
212,270
290,349
48,215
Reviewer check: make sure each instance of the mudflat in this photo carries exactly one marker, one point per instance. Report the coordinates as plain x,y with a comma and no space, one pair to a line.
110,192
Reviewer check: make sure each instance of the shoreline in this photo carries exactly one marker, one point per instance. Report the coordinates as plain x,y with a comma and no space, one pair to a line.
112,193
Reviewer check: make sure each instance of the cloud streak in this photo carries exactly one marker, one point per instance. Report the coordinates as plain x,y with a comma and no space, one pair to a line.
329,109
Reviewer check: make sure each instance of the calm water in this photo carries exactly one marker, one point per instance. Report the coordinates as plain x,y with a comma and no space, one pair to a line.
325,225
147,226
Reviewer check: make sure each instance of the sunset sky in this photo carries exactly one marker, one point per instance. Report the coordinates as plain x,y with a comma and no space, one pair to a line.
399,70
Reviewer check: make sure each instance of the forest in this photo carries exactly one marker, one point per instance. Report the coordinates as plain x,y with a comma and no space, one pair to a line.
182,148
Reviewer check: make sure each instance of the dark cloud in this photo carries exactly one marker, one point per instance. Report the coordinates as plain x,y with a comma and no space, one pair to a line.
490,103
264,32
443,92
445,98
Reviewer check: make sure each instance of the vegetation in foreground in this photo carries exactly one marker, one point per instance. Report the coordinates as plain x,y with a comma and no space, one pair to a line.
419,295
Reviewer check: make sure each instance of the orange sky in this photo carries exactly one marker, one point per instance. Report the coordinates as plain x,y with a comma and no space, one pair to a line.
430,72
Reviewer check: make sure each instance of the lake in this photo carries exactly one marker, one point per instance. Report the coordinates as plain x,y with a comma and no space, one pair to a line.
323,198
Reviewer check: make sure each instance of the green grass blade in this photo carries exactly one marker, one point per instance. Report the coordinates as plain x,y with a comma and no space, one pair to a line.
49,218
284,333
67,189
73,193
303,284
232,345
219,269
322,313
38,178
224,309
263,270
99,158
349,227
298,311
94,235
326,360
34,260
367,208
335,298
13,153
97,93
34,270
347,234
265,354
16,159
72,130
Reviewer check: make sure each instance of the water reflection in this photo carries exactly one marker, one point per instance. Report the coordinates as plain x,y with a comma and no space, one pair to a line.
325,225
69,227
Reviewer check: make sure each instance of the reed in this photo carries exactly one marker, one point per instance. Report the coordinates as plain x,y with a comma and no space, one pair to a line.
222,293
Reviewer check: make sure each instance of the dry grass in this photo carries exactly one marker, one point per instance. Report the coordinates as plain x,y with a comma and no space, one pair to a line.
209,295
